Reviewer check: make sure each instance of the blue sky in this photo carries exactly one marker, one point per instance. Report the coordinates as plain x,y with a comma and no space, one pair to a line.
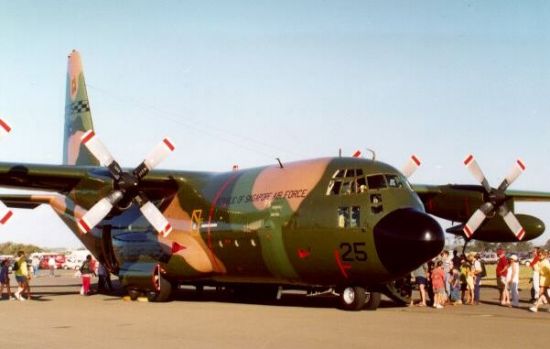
244,82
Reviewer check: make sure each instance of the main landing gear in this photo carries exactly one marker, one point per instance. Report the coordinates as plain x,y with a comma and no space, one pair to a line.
160,292
356,298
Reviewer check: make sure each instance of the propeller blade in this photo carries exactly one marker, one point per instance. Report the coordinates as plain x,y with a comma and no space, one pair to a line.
159,153
156,218
515,172
5,213
156,156
514,225
97,148
4,128
473,223
472,165
411,166
98,212
357,154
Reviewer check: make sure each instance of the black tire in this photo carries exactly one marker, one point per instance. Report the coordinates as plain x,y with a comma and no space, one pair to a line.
398,291
373,300
353,298
163,295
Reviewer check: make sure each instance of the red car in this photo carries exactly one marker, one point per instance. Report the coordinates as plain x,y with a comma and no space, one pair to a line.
59,260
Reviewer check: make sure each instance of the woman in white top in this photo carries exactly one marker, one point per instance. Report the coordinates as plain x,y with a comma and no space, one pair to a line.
512,277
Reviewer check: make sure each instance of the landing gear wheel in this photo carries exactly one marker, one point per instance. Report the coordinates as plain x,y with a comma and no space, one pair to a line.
373,300
353,298
398,291
164,291
162,288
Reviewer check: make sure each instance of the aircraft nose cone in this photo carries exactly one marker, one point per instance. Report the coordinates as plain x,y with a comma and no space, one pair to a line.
406,238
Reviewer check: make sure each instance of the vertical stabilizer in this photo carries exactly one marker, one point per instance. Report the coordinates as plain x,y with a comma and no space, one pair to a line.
78,118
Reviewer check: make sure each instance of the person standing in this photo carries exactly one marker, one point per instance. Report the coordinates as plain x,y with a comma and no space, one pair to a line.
51,265
22,277
438,285
447,268
35,261
86,270
544,280
513,279
421,280
5,278
536,274
477,270
104,282
501,273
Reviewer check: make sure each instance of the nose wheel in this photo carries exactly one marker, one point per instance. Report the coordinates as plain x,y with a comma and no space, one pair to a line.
355,298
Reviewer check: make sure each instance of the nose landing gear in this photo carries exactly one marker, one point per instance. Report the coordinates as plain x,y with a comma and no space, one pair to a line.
355,298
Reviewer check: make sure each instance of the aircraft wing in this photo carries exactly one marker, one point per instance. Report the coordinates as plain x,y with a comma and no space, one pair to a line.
65,178
24,200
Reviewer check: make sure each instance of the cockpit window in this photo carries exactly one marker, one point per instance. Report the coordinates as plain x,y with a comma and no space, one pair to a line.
376,182
394,181
354,181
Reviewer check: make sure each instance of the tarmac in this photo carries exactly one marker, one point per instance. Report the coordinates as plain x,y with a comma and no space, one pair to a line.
59,317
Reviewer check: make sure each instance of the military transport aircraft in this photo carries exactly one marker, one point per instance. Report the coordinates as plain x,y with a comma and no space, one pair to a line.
346,226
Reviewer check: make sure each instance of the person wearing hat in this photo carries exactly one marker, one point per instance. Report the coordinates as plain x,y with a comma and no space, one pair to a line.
513,279
473,258
501,272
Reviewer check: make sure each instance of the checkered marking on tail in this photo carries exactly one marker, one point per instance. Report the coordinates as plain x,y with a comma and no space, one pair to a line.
80,107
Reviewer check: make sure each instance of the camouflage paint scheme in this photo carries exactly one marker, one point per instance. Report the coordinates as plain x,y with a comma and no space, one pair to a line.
272,224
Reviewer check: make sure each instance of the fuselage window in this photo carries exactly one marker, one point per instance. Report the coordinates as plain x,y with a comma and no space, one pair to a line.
343,217
349,217
376,182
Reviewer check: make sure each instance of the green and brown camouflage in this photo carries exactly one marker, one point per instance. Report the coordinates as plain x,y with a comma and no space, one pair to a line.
323,223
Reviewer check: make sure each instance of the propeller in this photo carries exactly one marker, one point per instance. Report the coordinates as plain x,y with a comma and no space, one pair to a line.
411,166
5,212
126,185
496,198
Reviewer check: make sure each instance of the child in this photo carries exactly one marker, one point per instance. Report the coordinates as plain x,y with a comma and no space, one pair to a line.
5,278
438,285
455,287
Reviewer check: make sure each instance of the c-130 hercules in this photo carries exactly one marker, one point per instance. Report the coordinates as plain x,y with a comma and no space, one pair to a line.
348,226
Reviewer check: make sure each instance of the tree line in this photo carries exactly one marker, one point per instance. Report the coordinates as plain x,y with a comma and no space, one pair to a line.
12,248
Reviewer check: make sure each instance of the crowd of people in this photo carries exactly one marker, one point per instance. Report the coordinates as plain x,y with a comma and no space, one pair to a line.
456,280
24,270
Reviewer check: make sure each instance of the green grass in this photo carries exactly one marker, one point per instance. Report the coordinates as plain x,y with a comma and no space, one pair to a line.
525,274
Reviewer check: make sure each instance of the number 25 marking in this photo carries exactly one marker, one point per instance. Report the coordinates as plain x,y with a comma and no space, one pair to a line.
352,252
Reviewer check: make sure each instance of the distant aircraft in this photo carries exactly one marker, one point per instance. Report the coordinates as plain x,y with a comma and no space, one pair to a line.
346,226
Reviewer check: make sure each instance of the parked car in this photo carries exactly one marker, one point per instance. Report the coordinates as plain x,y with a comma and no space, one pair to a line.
59,260
489,257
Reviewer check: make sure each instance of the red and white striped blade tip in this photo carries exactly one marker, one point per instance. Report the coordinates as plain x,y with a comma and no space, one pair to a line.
4,127
83,226
159,153
467,231
6,217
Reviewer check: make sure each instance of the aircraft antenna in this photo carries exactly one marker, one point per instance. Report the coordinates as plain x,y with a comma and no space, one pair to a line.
280,163
373,153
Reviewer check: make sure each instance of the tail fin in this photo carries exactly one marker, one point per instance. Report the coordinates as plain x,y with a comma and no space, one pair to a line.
78,118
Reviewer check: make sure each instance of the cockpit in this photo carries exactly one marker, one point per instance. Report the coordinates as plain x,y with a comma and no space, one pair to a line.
370,189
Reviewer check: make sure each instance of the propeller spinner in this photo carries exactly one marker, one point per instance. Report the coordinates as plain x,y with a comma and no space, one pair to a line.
126,184
496,199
